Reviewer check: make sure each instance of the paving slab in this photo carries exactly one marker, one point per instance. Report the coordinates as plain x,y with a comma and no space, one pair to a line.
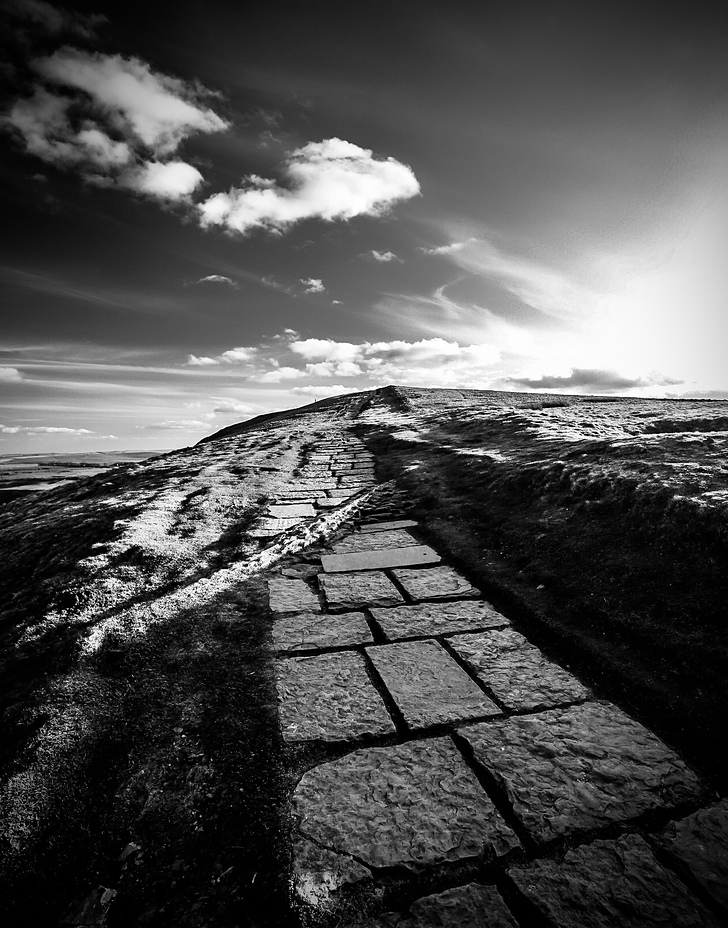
324,502
396,538
432,619
356,590
304,484
357,481
311,631
427,685
611,884
267,526
341,492
329,697
319,873
387,526
292,596
408,805
435,583
470,906
699,846
292,511
516,671
585,767
379,559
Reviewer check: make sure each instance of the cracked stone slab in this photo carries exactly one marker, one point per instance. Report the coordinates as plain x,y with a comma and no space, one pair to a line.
408,805
588,766
372,541
435,583
470,906
292,511
319,873
516,671
427,685
387,526
699,845
611,884
353,591
292,596
379,559
432,619
329,698
310,631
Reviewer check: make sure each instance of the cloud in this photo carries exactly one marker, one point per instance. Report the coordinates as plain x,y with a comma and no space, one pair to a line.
179,425
41,430
327,180
278,374
312,285
10,375
54,21
231,356
226,406
447,249
321,391
382,256
595,380
216,279
115,121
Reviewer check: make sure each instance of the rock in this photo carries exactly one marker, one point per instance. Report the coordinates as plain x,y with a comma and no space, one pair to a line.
329,698
431,619
371,541
610,884
568,770
379,559
435,583
409,805
292,596
355,590
92,911
310,631
318,873
427,685
470,906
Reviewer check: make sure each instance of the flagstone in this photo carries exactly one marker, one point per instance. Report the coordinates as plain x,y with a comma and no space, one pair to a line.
370,541
292,596
356,590
433,619
470,906
407,805
516,671
292,510
329,697
588,766
319,873
435,583
355,481
427,685
610,884
386,526
310,631
379,559
341,492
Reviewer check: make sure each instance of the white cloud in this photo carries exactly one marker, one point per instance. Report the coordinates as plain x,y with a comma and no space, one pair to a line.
447,249
217,279
180,425
322,391
165,180
226,406
312,284
382,256
10,375
41,430
328,180
278,374
231,356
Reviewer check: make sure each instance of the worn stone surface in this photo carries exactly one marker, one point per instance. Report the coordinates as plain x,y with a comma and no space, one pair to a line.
699,845
431,619
372,541
408,805
356,481
386,526
516,671
341,492
319,873
611,884
264,528
567,770
471,906
427,685
435,583
292,511
292,596
379,559
353,591
326,503
310,631
329,698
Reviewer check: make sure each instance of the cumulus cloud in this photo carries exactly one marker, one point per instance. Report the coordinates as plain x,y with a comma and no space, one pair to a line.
321,392
116,121
594,380
383,257
10,375
225,406
327,180
216,279
278,374
231,356
312,285
42,430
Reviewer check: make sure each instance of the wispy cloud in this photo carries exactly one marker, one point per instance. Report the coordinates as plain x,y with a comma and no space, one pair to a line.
52,20
312,285
450,249
216,279
231,356
42,430
327,180
595,380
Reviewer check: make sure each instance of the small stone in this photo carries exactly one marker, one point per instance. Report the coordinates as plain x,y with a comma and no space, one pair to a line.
356,590
128,851
699,845
427,685
569,770
435,583
329,698
408,805
432,619
470,906
610,884
311,631
379,559
292,596
516,671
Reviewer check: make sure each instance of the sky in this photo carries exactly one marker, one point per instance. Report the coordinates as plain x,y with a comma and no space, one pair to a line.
212,212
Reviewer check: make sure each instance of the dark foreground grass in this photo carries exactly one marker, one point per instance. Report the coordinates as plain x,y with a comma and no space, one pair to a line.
177,760
623,581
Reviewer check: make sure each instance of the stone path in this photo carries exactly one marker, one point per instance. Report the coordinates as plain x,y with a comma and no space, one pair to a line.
441,748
